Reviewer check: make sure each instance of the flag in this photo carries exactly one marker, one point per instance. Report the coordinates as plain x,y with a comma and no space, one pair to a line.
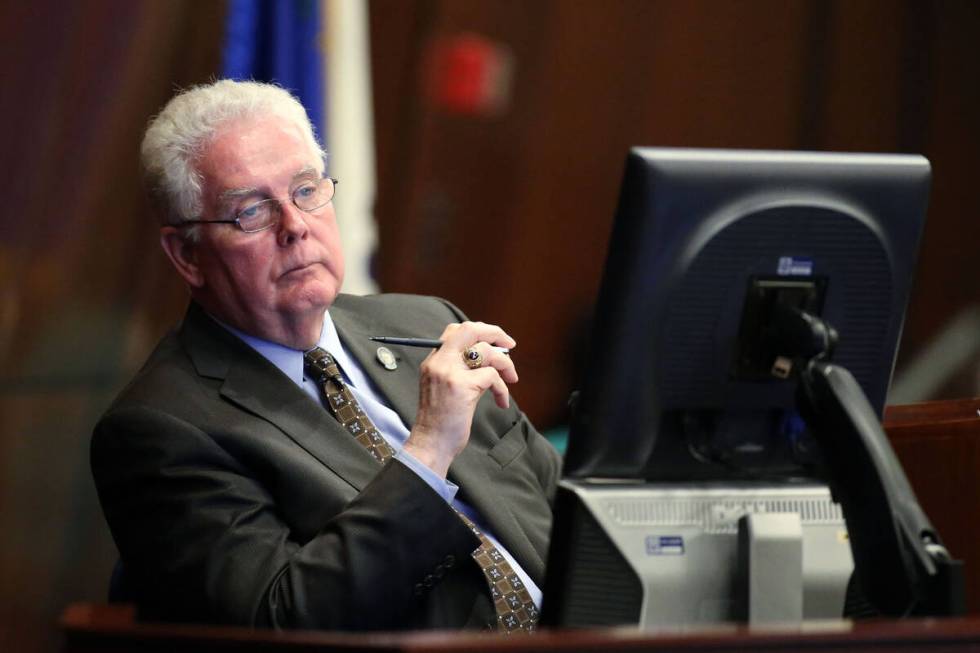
272,41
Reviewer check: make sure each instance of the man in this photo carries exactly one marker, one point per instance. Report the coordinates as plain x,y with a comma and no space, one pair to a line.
242,473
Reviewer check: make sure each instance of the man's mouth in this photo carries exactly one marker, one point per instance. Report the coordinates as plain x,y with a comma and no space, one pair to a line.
300,268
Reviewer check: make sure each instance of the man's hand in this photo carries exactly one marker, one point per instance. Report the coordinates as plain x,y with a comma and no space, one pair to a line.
449,391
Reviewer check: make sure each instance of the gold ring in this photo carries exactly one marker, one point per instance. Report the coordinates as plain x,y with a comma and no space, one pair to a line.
472,358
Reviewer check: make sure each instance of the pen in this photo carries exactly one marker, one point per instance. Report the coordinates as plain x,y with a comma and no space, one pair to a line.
430,343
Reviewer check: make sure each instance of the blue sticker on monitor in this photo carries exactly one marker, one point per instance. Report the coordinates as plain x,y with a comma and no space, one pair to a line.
791,266
665,545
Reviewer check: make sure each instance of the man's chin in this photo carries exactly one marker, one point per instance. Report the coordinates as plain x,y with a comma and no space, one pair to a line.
314,296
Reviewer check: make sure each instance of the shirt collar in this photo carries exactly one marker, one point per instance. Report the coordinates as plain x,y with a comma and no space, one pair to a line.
330,341
288,360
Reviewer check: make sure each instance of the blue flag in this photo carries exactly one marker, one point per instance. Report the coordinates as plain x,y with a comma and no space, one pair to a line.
278,41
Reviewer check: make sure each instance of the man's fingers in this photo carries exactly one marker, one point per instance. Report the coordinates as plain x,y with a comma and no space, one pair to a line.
489,379
465,334
501,395
452,383
497,360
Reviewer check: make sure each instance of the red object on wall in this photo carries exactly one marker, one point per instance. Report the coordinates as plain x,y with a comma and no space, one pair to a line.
470,74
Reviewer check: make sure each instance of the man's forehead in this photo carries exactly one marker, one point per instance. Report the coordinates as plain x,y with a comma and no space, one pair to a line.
253,138
257,154
306,172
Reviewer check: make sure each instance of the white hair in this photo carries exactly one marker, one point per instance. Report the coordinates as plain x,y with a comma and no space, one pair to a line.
177,135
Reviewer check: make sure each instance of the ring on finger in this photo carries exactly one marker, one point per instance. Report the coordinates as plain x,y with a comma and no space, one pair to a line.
473,358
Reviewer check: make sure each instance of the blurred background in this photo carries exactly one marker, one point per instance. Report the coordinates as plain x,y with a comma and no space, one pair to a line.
479,145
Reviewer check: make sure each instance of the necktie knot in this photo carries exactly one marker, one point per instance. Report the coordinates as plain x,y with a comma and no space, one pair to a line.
320,366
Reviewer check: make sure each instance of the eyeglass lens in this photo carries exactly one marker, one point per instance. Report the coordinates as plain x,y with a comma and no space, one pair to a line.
308,196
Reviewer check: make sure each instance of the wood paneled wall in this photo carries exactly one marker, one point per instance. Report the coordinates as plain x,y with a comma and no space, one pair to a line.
508,215
84,289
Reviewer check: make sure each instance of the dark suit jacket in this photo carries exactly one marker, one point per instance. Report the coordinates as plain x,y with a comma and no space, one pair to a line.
234,497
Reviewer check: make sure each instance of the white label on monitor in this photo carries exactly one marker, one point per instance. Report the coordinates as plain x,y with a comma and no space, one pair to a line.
790,266
665,545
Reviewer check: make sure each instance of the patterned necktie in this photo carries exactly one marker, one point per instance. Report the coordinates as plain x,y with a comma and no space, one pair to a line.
515,610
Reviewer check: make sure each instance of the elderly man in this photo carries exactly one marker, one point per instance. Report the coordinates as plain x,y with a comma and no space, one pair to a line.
269,465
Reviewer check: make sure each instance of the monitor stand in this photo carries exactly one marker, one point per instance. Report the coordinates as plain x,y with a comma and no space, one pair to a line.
770,551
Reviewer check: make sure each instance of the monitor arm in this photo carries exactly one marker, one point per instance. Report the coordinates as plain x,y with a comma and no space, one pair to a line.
901,564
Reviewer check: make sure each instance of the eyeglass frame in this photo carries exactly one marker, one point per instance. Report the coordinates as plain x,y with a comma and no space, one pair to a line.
278,200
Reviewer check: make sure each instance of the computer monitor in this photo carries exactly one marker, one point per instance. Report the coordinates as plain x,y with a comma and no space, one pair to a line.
666,393
687,457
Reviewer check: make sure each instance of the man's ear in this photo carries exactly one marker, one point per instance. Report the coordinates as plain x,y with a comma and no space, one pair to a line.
182,253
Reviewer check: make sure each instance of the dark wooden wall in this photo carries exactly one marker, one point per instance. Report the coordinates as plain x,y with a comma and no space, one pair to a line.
508,215
84,289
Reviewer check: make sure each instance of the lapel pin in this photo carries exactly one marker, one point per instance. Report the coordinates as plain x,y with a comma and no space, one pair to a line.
386,358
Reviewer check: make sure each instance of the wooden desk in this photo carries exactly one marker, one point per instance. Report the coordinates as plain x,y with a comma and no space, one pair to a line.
938,443
111,629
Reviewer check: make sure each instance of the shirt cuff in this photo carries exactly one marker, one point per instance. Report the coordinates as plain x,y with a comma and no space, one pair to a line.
444,487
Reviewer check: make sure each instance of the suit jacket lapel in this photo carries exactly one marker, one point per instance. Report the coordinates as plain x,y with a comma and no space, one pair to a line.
400,386
260,388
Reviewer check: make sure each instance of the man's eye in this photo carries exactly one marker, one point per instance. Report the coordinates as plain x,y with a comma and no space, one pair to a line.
250,211
307,190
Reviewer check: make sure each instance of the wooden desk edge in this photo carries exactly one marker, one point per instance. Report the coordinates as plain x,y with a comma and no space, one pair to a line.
932,412
114,628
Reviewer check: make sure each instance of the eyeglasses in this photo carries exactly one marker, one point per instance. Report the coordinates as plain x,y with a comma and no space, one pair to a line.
308,196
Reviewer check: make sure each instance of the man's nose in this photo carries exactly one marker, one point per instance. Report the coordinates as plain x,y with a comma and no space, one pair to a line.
292,223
